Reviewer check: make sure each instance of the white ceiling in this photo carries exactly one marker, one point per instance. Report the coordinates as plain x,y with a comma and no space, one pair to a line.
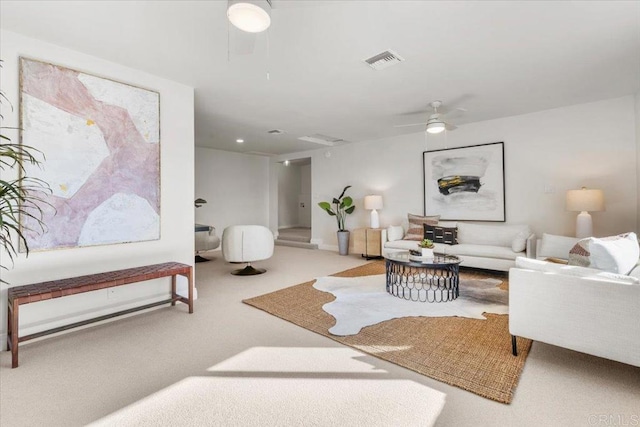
496,59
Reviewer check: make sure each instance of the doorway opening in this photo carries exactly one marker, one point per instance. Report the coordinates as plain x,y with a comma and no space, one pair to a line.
294,203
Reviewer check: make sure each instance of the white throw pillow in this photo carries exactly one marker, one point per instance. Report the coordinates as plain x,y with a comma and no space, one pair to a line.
616,254
573,270
519,242
552,246
395,232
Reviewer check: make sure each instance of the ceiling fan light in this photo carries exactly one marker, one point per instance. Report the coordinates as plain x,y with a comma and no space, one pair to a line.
249,17
435,127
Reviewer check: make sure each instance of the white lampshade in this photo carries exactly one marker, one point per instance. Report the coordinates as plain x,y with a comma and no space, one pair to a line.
373,202
249,16
585,200
435,127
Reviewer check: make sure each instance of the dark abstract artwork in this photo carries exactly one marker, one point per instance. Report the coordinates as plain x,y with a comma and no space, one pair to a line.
465,183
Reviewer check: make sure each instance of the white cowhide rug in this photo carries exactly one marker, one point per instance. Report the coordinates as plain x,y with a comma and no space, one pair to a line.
363,301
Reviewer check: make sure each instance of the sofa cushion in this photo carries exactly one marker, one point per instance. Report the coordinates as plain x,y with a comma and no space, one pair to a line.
402,244
615,254
439,234
552,246
415,231
495,235
484,251
395,232
573,270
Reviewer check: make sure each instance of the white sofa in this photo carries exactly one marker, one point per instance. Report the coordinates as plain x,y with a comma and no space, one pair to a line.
578,308
554,247
483,246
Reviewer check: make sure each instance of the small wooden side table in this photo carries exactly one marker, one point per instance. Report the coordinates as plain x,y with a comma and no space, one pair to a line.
368,242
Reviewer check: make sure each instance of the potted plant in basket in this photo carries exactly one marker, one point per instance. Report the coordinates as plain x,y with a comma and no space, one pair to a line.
426,246
21,196
343,206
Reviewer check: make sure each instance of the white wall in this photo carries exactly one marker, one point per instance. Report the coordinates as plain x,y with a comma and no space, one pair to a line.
637,107
177,237
235,186
591,145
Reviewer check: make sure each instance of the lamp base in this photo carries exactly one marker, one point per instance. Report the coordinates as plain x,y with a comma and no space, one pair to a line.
375,219
584,225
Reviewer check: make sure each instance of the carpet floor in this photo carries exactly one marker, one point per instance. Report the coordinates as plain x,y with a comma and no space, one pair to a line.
472,354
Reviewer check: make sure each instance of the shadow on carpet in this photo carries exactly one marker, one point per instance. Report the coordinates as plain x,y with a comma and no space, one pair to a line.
471,354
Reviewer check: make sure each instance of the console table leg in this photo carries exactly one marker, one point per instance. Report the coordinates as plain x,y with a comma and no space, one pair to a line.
190,279
173,289
514,345
13,331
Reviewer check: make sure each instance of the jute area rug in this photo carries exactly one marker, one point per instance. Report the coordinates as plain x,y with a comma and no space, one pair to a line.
472,354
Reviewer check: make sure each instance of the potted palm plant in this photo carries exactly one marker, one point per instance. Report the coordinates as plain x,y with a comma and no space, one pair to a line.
342,206
21,196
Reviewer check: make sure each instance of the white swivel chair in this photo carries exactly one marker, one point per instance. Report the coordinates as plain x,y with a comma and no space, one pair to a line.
206,240
247,243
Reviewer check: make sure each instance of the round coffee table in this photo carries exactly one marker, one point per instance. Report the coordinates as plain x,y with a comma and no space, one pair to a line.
423,279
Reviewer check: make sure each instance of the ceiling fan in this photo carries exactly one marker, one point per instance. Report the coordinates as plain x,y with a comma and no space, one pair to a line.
436,122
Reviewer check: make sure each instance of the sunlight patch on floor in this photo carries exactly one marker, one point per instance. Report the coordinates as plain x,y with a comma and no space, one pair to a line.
297,359
286,395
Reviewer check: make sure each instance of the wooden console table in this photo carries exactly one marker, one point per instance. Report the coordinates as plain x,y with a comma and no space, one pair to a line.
27,294
368,242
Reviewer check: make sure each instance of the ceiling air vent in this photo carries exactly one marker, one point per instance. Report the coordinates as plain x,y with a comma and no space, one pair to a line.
275,132
259,153
321,139
384,60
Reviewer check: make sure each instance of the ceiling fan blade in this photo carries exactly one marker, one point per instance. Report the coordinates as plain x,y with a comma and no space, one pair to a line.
411,124
449,126
456,112
454,103
423,111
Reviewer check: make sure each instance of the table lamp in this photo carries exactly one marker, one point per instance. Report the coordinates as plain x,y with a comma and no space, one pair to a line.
584,201
373,202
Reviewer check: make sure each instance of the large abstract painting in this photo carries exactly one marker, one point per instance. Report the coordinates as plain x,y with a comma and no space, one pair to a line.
101,140
465,183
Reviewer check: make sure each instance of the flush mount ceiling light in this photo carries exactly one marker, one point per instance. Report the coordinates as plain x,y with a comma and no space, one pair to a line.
239,141
251,16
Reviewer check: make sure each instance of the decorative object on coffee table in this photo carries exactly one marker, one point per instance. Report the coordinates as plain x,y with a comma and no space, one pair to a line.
465,183
584,201
426,248
343,206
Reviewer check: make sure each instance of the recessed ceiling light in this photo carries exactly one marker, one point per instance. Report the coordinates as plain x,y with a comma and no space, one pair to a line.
239,141
286,162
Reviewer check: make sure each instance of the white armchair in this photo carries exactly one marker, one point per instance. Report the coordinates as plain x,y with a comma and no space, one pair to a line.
206,240
247,243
